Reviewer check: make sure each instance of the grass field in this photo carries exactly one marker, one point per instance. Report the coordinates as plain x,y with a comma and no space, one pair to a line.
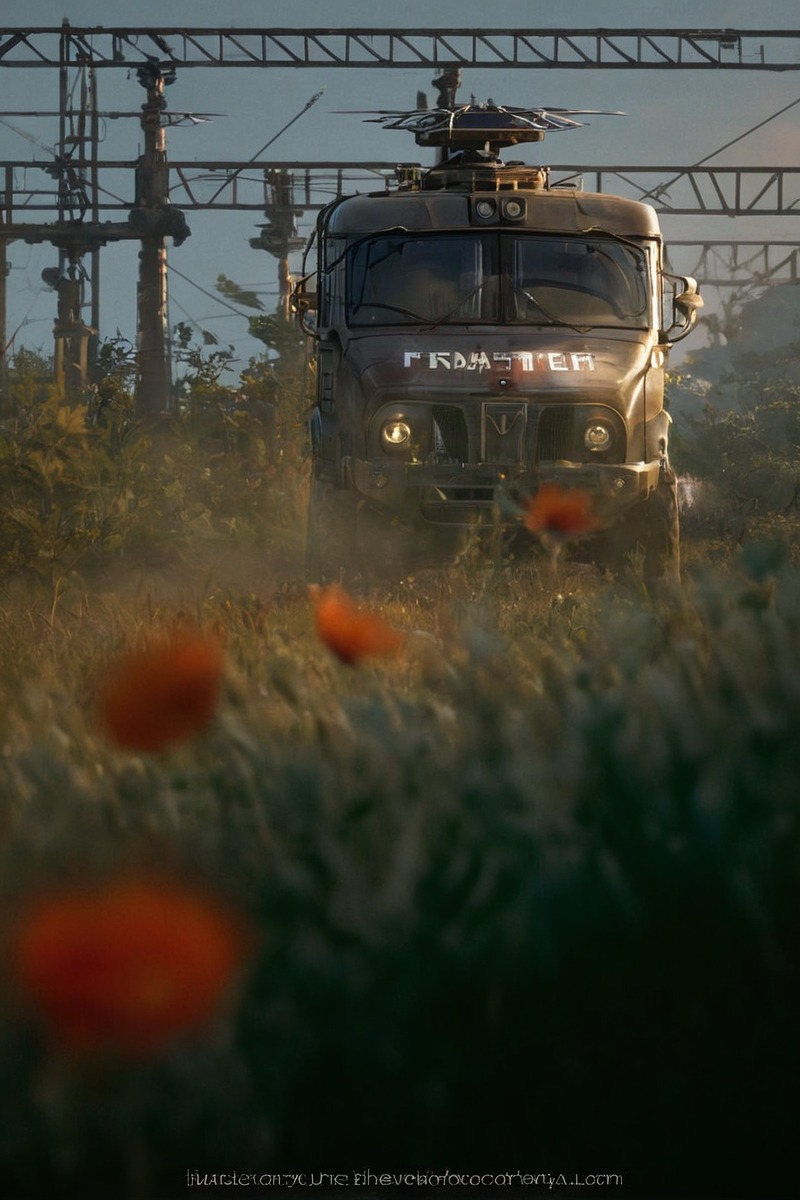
521,898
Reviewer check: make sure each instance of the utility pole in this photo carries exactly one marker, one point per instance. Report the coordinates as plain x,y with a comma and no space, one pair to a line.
3,317
70,332
279,237
153,219
5,218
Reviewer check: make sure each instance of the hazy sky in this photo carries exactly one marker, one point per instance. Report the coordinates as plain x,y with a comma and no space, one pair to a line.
674,117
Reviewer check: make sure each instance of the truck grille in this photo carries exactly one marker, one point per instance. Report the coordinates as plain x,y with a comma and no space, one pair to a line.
503,435
450,438
555,434
503,431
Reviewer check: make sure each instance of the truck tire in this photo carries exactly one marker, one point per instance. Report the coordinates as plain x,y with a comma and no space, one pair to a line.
662,544
650,535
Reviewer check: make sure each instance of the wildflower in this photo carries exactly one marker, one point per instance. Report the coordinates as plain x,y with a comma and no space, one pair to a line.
560,512
161,693
126,965
350,632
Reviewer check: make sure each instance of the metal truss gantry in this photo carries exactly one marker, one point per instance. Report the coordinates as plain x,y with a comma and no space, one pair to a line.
231,184
621,49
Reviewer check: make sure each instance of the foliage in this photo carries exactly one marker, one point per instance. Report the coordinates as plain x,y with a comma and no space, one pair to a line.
200,386
542,873
64,492
234,291
280,334
744,465
752,342
29,382
110,395
87,485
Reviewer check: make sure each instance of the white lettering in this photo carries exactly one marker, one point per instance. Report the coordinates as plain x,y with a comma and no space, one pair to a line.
504,359
479,361
501,360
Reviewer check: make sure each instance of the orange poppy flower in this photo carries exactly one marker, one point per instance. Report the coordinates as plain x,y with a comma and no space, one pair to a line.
560,511
126,965
162,692
350,632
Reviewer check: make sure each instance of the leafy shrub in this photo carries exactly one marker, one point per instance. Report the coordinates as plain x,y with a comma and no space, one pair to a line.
86,485
744,467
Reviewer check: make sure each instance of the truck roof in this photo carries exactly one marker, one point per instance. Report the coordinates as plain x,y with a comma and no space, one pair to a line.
548,210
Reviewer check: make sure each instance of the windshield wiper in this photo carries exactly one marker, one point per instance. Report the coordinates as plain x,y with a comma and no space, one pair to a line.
552,318
390,308
452,311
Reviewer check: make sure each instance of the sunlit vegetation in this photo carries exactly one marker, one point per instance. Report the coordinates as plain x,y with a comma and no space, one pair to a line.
487,868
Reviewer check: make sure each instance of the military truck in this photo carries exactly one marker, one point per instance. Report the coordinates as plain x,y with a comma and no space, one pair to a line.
482,331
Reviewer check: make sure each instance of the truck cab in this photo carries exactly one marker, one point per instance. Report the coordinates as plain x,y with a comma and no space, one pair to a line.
481,332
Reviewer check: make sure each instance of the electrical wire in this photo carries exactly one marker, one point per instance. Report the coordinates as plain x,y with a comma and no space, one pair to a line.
656,192
211,296
271,141
28,137
24,321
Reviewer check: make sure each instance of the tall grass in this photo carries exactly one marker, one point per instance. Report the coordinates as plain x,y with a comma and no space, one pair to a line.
527,896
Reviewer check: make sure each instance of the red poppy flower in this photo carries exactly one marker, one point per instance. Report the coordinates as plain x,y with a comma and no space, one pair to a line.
560,511
162,692
126,965
350,632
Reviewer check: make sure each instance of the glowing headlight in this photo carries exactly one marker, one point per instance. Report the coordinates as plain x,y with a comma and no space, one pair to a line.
395,435
597,436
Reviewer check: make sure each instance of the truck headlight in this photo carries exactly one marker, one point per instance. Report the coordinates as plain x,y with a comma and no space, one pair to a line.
597,436
395,434
513,210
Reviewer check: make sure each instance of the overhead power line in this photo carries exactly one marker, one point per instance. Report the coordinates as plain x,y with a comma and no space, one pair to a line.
309,104
211,295
727,145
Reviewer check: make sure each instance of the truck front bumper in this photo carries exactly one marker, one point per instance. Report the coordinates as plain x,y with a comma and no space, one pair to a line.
461,495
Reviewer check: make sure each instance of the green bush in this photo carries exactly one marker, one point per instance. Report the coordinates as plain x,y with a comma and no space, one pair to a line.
742,469
87,486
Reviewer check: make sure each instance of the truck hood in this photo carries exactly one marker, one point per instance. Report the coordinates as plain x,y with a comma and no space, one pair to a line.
604,366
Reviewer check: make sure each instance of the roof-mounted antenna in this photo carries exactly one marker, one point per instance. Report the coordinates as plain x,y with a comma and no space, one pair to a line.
447,84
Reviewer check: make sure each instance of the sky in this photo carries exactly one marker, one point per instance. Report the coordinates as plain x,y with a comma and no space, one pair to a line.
673,117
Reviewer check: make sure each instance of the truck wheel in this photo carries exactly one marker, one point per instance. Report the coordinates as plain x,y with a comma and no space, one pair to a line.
330,532
662,544
652,532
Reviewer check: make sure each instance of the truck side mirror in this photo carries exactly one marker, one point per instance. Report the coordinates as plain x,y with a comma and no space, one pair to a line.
302,301
304,306
685,307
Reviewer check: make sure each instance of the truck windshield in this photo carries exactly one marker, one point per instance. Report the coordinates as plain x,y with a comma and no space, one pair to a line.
496,277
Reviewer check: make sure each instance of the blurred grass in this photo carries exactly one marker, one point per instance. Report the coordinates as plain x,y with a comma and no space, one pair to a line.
528,897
